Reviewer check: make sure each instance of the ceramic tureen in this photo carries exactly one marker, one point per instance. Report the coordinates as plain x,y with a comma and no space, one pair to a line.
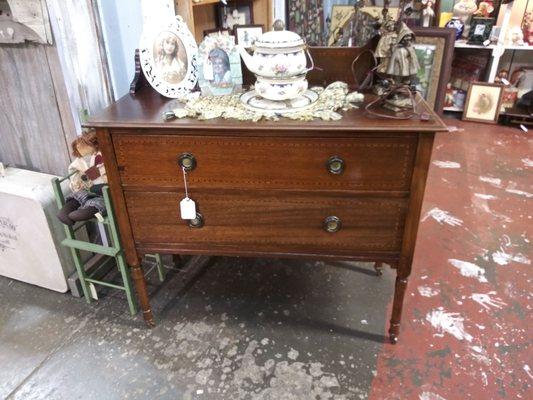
279,64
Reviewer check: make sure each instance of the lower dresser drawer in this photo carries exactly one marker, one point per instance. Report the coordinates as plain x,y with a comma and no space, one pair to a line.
274,222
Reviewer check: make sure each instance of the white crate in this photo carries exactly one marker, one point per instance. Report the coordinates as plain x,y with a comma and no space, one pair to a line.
30,233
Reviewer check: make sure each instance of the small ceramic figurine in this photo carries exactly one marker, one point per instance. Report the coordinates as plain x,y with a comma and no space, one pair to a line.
516,36
456,24
385,44
464,10
427,13
86,183
484,9
448,99
502,76
403,64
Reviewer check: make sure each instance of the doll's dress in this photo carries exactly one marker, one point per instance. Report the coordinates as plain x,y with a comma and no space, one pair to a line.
86,192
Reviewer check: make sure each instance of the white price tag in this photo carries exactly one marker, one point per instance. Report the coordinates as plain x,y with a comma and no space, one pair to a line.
505,81
187,208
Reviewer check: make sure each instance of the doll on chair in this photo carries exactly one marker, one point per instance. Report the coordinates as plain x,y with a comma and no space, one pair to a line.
86,183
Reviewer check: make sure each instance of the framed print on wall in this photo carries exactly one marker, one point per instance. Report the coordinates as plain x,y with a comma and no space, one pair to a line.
168,54
219,66
246,35
434,50
483,102
235,13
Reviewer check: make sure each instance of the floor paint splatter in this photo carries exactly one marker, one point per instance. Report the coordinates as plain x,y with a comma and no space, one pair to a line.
447,164
479,298
486,301
448,322
428,291
496,182
442,217
469,269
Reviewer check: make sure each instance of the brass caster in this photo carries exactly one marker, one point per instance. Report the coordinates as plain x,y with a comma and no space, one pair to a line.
150,324
393,339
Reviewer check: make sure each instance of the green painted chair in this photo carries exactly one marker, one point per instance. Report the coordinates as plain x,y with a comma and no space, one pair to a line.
112,251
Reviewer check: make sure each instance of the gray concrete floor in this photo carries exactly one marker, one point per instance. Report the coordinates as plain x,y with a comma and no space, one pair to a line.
237,328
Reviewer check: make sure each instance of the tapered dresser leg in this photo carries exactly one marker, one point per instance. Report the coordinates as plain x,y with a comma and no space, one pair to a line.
142,293
399,292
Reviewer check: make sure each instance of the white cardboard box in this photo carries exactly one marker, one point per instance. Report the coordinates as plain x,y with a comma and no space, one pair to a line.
30,233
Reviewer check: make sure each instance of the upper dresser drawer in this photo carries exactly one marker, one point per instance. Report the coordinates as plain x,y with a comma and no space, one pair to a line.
363,163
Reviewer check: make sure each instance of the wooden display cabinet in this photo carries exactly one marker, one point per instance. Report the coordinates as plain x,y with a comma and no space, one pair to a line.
202,15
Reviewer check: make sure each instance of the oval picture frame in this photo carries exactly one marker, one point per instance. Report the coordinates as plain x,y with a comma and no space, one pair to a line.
168,55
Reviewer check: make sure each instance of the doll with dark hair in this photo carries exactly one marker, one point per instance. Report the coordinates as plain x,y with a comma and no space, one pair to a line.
86,183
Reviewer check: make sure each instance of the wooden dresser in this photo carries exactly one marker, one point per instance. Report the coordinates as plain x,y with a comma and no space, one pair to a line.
349,189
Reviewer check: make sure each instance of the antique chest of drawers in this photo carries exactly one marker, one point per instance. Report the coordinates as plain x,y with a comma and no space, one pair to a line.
349,189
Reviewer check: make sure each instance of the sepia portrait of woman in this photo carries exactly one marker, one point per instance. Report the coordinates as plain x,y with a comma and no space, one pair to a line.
170,58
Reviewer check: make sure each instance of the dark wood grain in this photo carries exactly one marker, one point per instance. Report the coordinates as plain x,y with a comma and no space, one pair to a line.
263,189
371,164
145,110
418,184
274,222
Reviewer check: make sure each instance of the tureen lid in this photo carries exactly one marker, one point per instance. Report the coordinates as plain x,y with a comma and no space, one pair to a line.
279,37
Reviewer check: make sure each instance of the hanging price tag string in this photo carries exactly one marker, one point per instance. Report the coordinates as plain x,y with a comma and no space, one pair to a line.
185,182
187,206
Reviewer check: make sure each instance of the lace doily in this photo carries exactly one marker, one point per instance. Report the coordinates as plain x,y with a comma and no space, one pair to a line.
335,97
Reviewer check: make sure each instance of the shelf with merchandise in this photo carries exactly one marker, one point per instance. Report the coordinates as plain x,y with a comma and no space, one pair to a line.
507,16
462,44
203,15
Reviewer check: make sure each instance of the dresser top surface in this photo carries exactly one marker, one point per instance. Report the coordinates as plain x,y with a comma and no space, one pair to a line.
146,107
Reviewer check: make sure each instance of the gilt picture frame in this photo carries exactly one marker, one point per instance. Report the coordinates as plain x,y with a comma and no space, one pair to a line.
434,49
168,56
483,102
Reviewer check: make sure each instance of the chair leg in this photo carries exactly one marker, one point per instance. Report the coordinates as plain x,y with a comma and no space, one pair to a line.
126,279
378,267
160,268
78,263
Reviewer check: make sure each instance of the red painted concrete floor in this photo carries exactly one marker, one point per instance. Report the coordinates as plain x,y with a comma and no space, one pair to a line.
467,310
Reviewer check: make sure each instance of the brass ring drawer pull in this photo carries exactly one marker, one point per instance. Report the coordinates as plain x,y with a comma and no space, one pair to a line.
332,224
187,161
335,165
197,222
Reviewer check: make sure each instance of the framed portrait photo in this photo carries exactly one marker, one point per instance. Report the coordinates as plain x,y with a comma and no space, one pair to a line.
235,13
434,50
168,54
483,102
246,35
480,29
219,66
